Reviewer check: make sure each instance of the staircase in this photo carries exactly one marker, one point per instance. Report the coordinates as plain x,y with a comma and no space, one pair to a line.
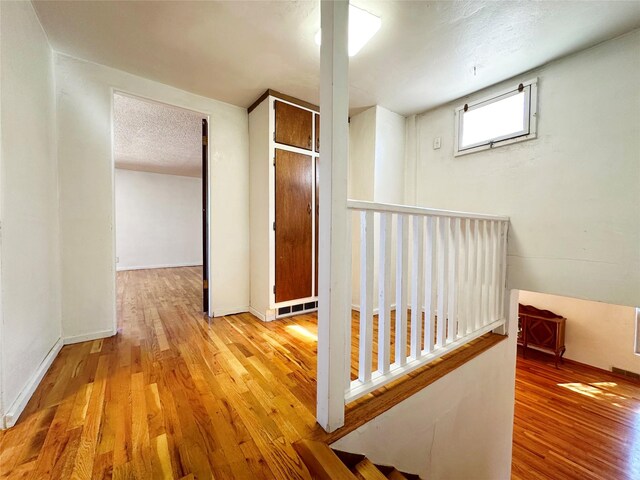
326,464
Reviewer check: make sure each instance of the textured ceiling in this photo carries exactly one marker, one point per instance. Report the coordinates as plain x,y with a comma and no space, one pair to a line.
152,137
425,54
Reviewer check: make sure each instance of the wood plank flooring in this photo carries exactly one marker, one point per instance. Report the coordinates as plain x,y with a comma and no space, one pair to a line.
575,422
174,395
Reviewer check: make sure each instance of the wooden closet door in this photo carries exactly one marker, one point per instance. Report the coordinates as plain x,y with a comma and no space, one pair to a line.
293,125
293,192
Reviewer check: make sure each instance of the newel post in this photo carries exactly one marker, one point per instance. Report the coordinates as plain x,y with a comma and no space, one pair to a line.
334,305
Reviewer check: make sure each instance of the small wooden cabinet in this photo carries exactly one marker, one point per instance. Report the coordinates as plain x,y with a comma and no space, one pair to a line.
541,330
293,125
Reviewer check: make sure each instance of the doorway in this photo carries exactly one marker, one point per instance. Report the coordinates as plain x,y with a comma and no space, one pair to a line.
161,198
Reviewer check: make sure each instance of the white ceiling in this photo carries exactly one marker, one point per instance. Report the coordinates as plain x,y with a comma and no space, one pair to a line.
424,54
153,137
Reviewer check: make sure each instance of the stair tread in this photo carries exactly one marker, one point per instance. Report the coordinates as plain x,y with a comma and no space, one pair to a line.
396,475
368,471
321,461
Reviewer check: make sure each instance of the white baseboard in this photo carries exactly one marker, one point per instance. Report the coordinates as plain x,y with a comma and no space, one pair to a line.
221,312
256,313
16,408
151,267
87,337
270,316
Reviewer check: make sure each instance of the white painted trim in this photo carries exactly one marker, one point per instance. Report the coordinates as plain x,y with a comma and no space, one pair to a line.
334,276
531,114
257,314
294,314
637,337
362,205
268,316
151,267
297,301
273,146
16,408
112,172
87,337
205,115
221,312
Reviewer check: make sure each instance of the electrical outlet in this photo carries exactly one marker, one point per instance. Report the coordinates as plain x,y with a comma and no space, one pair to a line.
437,143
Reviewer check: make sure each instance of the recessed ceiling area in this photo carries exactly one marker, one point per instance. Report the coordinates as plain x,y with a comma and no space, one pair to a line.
426,53
152,137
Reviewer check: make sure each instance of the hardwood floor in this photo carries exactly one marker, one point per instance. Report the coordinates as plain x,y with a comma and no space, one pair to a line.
574,422
225,398
174,395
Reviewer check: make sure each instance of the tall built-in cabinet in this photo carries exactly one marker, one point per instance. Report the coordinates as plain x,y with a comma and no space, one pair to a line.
284,151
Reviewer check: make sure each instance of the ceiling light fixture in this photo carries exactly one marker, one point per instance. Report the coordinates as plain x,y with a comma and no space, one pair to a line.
362,27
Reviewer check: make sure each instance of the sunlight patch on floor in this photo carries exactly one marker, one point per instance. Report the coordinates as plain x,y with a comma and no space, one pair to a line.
594,392
301,332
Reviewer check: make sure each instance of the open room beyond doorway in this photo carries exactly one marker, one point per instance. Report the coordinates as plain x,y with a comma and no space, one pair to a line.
161,187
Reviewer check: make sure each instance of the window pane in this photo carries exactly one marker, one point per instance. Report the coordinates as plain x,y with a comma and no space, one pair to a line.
495,120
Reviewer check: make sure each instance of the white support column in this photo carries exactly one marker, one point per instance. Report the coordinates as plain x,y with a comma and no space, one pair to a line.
334,305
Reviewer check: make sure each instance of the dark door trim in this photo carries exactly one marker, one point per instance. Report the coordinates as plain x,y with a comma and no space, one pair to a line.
205,216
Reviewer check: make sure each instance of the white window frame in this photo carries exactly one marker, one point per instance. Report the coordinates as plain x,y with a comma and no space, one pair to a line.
529,132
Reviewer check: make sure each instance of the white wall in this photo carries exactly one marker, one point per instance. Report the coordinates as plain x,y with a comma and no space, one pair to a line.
362,155
31,328
259,211
376,173
158,220
362,164
84,92
598,334
389,167
460,427
572,193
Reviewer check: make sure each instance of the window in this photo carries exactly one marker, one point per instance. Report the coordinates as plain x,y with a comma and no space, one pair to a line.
506,118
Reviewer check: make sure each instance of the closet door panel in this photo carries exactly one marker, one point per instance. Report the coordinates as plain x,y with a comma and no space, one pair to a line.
293,235
317,120
293,125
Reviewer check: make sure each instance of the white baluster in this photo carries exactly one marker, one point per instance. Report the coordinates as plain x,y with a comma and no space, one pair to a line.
504,231
443,245
417,287
453,229
463,235
366,296
471,276
485,273
430,285
479,269
494,271
401,289
384,286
